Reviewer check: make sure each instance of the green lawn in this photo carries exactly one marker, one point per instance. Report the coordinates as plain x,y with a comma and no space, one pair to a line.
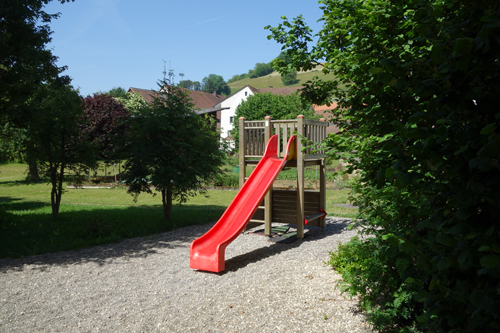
274,80
90,217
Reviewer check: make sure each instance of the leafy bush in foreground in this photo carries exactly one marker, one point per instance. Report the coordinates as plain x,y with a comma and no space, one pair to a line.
418,88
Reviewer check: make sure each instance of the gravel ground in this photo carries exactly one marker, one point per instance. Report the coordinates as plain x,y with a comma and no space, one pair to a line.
146,285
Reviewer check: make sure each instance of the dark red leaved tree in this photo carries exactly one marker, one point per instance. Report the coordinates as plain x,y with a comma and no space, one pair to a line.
105,126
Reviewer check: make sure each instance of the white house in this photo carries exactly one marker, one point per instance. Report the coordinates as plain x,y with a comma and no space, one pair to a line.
229,105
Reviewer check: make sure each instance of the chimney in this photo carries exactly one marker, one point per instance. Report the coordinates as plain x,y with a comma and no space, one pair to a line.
215,92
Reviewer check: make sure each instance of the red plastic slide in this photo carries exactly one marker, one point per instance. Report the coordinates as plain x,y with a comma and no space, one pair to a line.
207,252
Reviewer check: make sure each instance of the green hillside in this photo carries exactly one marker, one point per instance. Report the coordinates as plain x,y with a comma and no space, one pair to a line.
274,80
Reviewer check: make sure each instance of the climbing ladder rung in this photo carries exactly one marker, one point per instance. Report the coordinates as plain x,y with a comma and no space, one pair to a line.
315,216
257,221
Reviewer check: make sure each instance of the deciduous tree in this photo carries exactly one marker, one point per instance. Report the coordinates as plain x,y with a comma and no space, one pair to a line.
24,59
25,62
104,125
215,83
60,146
173,150
258,106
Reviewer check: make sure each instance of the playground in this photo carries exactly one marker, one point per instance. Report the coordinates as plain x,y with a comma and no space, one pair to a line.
264,281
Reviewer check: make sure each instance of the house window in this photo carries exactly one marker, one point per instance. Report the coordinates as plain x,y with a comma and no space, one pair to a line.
246,93
231,120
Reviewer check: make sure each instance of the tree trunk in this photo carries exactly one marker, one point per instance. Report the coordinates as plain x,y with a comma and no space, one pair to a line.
166,196
32,166
57,184
53,193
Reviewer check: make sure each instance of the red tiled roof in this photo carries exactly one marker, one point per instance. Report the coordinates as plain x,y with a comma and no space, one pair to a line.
203,100
200,100
321,109
148,95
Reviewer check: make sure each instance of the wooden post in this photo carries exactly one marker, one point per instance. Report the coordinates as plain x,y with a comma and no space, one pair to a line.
322,186
268,200
322,190
242,149
300,178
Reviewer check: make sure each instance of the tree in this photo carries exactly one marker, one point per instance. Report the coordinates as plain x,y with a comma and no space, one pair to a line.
117,92
258,106
24,60
418,86
215,83
289,78
24,63
104,125
56,116
133,102
12,143
262,69
235,77
191,85
173,150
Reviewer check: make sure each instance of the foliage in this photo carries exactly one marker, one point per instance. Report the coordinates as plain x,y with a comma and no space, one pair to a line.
362,264
172,149
60,144
262,69
12,143
25,63
117,92
417,83
230,179
215,83
258,106
289,78
191,85
104,125
132,102
24,59
237,77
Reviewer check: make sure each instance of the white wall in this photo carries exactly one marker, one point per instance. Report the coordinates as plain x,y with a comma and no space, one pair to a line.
232,102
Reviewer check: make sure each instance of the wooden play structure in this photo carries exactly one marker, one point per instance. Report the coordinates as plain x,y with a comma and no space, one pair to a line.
278,204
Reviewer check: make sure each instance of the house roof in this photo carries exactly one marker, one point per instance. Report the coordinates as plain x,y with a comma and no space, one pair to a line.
203,100
148,95
200,100
321,109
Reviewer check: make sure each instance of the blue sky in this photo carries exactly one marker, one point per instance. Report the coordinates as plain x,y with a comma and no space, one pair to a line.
123,43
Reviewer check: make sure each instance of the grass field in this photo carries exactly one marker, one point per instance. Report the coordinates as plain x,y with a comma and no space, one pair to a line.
274,80
90,217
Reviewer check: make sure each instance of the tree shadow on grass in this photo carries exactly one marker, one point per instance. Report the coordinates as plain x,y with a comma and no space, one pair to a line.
101,235
43,180
18,204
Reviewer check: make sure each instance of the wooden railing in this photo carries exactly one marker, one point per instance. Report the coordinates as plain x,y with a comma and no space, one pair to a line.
254,136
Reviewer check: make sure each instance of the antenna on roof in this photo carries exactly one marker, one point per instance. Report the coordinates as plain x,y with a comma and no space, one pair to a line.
171,74
165,70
